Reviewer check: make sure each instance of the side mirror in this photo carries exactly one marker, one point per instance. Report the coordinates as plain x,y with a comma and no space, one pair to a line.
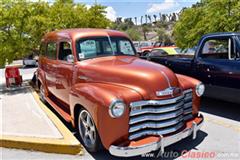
70,58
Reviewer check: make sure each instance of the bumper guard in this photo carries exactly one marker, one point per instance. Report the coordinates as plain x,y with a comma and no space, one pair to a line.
161,144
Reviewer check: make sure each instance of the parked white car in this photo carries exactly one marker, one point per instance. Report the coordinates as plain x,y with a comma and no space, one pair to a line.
31,60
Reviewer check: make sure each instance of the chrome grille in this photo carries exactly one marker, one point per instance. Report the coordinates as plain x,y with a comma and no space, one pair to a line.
159,117
188,104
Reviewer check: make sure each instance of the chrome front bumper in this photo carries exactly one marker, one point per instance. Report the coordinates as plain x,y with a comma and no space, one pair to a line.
161,144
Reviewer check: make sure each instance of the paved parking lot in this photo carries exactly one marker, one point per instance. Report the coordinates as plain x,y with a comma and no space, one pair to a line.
220,136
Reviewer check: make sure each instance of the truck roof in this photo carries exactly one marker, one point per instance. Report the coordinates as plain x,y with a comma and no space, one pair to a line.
76,33
222,34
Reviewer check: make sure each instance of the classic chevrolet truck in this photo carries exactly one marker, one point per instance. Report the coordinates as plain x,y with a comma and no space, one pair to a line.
115,100
216,63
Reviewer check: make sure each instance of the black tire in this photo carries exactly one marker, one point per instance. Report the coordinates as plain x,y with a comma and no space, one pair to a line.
42,94
91,146
145,53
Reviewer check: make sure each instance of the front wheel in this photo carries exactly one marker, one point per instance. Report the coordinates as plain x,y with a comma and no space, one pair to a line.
88,132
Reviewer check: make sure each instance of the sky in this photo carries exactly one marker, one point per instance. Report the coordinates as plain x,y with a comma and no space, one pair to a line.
138,8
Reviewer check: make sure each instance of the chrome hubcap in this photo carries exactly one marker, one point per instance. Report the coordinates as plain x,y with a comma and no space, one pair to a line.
87,129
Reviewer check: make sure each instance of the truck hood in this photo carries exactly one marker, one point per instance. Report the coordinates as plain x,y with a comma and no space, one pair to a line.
128,71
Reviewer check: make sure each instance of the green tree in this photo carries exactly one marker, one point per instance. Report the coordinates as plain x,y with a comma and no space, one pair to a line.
206,17
134,34
145,30
23,23
164,36
96,17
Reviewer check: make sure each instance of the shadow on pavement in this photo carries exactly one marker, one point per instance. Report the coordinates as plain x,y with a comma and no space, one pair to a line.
177,148
14,90
221,108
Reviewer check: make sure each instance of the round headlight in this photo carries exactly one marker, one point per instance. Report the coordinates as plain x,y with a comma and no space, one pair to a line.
117,108
200,88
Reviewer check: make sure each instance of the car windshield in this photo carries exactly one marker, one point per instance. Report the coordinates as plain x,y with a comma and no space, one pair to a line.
104,46
178,50
145,44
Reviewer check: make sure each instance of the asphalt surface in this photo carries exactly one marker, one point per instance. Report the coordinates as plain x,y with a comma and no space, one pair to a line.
219,137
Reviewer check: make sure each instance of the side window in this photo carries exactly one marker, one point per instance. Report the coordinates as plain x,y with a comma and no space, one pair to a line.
51,50
65,51
217,49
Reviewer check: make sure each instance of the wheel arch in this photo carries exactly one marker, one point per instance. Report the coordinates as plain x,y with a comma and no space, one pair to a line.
77,108
96,98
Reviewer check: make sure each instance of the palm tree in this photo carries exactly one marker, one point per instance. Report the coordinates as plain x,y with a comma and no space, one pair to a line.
141,20
146,18
150,18
155,17
174,17
163,17
135,20
145,30
168,17
130,20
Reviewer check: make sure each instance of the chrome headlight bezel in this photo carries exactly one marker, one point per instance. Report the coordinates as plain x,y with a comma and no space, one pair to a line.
200,89
117,108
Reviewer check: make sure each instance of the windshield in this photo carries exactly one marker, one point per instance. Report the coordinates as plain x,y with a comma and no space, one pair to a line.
144,44
178,50
104,46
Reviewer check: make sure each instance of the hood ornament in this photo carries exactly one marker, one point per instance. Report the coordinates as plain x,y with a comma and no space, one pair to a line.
169,91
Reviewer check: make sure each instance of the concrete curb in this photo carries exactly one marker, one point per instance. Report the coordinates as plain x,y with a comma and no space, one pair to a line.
66,145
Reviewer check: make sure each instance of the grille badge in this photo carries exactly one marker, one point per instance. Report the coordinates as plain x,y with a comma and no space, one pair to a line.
168,91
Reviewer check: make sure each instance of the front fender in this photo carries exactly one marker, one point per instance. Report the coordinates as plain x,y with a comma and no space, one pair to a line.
187,82
96,98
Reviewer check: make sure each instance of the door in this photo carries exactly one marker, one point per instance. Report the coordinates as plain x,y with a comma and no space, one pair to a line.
218,63
50,66
64,73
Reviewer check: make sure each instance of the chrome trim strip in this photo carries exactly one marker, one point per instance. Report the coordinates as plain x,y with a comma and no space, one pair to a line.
154,132
194,130
187,117
114,101
187,111
187,105
166,77
162,109
83,77
188,96
161,144
156,102
156,124
156,117
187,91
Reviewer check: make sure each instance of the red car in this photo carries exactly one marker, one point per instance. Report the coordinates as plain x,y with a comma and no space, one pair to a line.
130,106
